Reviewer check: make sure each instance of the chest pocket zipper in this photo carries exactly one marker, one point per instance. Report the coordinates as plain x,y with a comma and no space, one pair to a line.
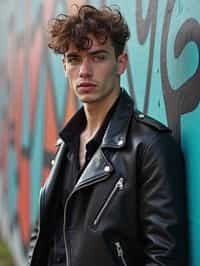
118,186
120,253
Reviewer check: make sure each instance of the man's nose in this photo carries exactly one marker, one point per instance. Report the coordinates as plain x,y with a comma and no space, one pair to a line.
85,68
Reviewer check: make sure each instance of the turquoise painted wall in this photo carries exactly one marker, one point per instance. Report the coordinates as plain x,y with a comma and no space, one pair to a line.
163,76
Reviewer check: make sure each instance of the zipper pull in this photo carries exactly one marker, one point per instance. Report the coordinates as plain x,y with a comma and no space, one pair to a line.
119,249
120,253
120,183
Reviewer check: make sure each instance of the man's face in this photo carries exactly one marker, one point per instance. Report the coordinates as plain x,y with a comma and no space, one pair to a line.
94,74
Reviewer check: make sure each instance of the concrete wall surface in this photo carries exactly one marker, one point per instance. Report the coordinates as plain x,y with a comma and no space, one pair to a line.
163,76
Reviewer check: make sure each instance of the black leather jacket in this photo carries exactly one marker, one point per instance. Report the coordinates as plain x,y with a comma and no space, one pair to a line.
124,208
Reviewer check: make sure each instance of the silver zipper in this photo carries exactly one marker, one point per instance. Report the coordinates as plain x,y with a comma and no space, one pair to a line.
118,186
120,253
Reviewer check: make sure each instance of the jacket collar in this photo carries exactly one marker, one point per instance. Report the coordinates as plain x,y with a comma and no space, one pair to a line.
115,135
70,130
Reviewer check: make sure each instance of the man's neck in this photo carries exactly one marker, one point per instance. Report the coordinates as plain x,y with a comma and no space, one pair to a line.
96,113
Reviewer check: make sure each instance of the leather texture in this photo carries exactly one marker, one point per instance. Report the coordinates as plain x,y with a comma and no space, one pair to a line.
125,207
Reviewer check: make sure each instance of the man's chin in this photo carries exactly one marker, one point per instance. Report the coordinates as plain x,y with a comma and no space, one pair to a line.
86,97
88,101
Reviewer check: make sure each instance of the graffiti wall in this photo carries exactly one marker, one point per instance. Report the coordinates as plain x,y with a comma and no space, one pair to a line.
163,76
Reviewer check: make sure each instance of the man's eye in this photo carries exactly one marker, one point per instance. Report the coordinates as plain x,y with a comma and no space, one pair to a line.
98,58
73,60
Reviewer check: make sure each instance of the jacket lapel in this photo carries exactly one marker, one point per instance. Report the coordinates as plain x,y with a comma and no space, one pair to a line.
98,169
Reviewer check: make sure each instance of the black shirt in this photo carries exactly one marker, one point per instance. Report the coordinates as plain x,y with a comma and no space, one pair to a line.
57,252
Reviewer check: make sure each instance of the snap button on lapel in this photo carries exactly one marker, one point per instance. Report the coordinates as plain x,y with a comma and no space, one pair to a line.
141,116
52,162
58,142
120,142
107,169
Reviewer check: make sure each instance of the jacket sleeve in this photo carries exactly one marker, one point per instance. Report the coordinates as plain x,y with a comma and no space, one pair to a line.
161,206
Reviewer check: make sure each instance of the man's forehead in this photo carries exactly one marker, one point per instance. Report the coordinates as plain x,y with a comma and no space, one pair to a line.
96,45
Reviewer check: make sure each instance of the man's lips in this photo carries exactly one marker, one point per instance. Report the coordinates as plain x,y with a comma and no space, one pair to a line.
86,87
86,84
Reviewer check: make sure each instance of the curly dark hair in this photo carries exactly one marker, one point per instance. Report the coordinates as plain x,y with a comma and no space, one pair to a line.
103,23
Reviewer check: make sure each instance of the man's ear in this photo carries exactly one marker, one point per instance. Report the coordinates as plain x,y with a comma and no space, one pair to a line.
64,64
122,62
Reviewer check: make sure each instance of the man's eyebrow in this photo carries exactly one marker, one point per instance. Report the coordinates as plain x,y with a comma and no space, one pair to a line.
72,54
95,52
102,51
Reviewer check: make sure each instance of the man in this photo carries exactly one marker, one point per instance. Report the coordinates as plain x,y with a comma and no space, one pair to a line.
109,199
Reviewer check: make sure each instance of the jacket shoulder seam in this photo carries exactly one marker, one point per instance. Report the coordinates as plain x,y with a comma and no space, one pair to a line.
150,121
